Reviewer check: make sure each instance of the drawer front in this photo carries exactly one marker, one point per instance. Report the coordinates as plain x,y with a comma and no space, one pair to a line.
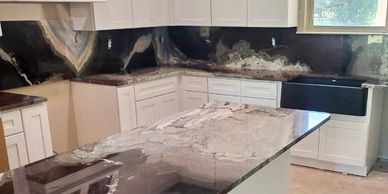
12,123
195,84
257,89
224,98
155,88
225,86
259,101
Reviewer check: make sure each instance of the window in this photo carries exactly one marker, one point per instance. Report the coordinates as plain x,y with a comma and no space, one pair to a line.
343,16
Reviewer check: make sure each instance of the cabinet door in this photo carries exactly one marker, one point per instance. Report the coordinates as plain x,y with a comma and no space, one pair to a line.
229,12
308,147
162,12
147,111
17,151
192,12
127,108
259,101
113,14
194,84
193,99
224,98
142,13
270,13
37,132
343,142
168,105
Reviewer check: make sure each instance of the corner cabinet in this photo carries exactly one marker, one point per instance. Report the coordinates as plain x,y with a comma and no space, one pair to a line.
192,12
112,14
270,13
27,135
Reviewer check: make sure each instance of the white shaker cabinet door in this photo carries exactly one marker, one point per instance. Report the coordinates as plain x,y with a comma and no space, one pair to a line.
224,98
127,108
162,12
343,142
193,99
142,13
168,105
17,150
259,101
147,111
270,13
308,147
37,132
229,13
192,12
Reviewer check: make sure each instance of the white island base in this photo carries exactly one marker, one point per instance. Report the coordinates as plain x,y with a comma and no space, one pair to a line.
274,178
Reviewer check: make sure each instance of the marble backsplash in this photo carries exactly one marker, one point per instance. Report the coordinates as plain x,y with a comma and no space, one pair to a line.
38,52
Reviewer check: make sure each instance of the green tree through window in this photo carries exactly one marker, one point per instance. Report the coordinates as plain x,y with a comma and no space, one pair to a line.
349,12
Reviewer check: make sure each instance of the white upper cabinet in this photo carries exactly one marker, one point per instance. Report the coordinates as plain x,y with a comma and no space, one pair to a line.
192,12
270,13
148,13
112,14
229,12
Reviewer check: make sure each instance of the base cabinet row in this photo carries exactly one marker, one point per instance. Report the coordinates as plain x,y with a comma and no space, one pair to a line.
27,135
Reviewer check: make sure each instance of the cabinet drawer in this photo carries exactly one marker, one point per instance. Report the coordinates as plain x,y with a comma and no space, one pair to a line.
257,89
224,98
12,123
225,86
259,101
155,88
195,84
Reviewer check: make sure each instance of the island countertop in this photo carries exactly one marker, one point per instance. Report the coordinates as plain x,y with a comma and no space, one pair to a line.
210,149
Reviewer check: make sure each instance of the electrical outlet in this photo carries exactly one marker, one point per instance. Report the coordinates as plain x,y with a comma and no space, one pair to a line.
109,44
1,32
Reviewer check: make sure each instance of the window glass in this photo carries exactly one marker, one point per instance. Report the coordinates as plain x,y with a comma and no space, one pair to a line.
362,13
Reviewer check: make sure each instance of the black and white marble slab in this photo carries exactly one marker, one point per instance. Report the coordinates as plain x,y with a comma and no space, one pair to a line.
210,149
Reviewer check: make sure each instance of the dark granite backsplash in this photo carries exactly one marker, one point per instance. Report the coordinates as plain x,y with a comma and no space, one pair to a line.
46,51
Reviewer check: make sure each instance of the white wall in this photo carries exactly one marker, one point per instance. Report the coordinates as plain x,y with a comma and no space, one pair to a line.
60,111
384,128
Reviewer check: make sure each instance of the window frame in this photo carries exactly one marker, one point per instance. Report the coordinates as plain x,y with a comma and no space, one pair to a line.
306,26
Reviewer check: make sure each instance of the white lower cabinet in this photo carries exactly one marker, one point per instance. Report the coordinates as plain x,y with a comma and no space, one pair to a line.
343,142
153,109
193,99
37,130
17,150
27,135
348,144
308,147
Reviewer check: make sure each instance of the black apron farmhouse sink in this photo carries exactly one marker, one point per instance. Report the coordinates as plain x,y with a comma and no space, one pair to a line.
325,94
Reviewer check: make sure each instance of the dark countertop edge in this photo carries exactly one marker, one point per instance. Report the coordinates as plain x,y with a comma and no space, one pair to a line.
275,156
25,100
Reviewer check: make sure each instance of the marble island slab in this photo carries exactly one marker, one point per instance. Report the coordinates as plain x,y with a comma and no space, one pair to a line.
149,74
215,148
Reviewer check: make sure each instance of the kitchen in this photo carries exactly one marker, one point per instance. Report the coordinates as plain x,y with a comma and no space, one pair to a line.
98,70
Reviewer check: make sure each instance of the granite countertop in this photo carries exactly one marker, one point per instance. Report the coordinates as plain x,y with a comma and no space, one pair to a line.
149,74
206,150
11,101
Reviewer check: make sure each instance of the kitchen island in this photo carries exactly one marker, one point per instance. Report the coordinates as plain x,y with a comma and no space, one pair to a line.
217,148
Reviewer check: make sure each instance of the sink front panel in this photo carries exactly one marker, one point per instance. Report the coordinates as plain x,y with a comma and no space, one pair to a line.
331,99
